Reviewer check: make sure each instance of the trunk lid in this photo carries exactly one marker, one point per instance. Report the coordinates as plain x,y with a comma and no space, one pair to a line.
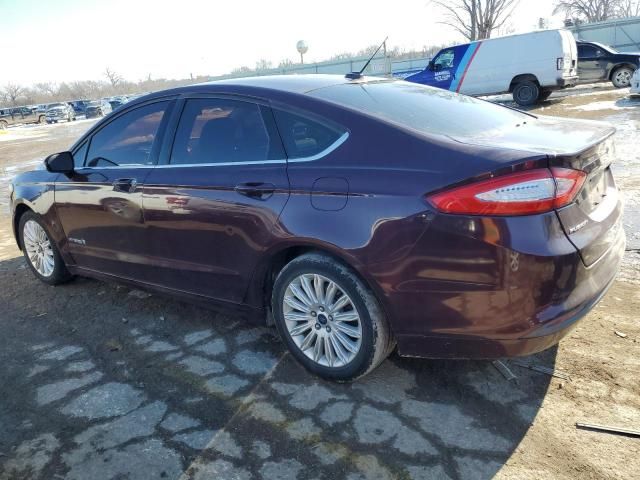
592,222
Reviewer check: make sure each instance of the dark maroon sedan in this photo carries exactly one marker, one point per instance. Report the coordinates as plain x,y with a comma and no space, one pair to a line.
361,213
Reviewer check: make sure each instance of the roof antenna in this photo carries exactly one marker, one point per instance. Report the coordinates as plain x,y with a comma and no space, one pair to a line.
357,75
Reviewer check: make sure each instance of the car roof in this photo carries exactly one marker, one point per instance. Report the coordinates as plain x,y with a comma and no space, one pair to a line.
296,84
287,83
597,44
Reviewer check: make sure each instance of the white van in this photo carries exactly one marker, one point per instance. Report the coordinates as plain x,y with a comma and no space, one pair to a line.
529,65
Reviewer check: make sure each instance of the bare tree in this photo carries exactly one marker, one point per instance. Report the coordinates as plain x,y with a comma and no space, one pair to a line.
113,77
285,63
589,10
47,88
263,64
477,19
11,92
628,8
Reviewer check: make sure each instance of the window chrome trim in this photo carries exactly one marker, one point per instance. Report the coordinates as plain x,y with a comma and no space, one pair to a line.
343,138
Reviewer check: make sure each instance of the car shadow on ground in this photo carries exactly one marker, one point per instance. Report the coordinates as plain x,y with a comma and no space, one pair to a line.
102,381
628,102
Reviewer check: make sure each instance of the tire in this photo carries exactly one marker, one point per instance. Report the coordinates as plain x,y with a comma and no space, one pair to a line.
33,232
3,125
42,119
621,77
525,93
310,325
543,95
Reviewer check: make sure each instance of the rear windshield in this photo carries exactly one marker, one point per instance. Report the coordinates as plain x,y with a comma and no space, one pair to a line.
422,108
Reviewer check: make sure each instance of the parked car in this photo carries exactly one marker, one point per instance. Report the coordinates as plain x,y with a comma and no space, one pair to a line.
17,115
60,111
360,213
635,83
115,104
530,66
601,63
98,108
79,106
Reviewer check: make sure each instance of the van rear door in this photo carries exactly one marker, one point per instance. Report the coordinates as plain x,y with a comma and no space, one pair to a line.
569,63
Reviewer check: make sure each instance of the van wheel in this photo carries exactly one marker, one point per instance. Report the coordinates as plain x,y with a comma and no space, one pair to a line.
621,77
543,95
526,93
330,321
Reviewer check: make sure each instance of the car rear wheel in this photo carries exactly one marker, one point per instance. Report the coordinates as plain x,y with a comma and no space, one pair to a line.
40,251
621,77
526,93
3,125
330,321
42,119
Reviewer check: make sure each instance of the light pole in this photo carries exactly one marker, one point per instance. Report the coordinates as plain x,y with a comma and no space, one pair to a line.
302,49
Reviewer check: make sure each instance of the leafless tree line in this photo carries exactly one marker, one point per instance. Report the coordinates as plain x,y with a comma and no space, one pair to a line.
597,10
13,94
479,19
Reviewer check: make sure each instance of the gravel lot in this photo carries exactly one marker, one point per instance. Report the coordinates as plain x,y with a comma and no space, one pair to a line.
101,381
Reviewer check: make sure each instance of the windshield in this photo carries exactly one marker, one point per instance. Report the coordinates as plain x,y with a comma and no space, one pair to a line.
54,105
422,108
94,104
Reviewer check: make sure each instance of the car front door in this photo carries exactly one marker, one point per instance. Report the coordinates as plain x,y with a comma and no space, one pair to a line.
210,209
100,205
441,71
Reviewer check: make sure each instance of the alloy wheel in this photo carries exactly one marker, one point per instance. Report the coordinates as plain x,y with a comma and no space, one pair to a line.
38,248
622,77
322,320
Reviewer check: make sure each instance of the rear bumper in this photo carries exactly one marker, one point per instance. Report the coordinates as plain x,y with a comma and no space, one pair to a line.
487,348
566,82
515,287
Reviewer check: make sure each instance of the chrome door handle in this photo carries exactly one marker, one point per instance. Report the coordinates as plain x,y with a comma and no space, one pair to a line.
125,185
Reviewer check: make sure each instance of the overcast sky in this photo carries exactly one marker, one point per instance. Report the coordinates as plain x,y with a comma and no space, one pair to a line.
66,40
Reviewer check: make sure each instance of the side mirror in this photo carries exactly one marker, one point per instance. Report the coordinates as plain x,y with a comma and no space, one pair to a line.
60,163
430,65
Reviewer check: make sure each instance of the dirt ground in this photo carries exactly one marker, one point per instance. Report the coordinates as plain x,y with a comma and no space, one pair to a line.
101,381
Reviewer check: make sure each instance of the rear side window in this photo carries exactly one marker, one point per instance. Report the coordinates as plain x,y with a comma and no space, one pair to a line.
128,139
304,136
423,109
218,130
587,51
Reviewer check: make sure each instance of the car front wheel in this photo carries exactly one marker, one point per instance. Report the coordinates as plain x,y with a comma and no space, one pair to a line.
621,77
40,251
328,318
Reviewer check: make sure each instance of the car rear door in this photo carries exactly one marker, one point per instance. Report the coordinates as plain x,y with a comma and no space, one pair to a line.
100,205
212,203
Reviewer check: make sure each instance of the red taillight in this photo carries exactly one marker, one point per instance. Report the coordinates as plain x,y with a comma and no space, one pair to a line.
521,193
